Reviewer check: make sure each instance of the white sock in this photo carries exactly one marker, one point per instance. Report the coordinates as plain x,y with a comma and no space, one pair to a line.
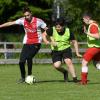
85,69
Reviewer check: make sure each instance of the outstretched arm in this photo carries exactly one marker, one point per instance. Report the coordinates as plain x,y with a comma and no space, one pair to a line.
7,24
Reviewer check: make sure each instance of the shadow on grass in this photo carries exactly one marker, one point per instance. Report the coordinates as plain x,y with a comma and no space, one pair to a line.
49,81
52,81
93,83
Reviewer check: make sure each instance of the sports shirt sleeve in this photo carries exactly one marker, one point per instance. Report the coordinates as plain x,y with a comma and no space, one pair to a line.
41,23
94,29
20,21
72,37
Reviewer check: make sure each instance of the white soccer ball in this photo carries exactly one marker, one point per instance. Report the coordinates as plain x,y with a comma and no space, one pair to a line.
98,65
30,79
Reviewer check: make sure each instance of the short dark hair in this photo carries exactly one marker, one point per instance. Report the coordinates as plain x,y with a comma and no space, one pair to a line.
60,21
26,9
87,15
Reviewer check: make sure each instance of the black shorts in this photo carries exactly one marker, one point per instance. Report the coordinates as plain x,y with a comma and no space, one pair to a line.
29,51
61,55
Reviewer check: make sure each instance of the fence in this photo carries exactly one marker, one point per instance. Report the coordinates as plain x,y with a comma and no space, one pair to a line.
9,53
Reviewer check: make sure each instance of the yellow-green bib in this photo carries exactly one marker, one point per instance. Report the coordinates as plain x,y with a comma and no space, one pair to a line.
62,40
93,42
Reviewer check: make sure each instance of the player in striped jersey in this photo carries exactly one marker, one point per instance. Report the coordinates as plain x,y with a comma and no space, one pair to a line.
32,39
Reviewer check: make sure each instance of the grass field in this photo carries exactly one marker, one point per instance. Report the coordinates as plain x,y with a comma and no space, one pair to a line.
50,85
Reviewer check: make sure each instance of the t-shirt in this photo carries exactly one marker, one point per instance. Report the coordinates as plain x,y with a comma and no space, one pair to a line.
50,33
32,30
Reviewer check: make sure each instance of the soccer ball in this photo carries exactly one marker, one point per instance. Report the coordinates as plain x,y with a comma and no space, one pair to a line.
98,65
30,79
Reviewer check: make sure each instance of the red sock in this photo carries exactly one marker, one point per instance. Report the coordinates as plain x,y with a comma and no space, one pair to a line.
84,78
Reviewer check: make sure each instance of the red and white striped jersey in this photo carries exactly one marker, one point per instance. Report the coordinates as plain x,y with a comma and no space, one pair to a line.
33,32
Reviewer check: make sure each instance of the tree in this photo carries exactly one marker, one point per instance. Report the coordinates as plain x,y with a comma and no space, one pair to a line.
11,9
72,10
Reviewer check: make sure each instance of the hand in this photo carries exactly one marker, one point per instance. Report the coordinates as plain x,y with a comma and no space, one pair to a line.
47,42
54,43
79,55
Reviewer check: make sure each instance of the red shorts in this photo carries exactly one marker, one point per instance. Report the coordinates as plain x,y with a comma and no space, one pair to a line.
92,53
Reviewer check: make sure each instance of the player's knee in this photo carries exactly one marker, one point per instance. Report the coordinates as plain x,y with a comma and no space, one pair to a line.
84,62
68,61
57,65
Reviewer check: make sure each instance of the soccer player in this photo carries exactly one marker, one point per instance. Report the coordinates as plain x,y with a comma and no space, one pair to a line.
61,37
32,39
93,40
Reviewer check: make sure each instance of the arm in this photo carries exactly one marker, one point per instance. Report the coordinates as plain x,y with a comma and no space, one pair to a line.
53,43
93,31
44,36
45,39
49,33
7,24
74,42
97,36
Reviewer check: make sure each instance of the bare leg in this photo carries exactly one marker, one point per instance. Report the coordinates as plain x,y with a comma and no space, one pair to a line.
57,66
71,68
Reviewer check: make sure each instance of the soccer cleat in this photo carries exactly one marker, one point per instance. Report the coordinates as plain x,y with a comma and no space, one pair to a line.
66,76
22,80
83,82
75,80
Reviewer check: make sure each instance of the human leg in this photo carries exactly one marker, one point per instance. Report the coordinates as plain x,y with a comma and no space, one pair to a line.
29,64
84,72
87,57
57,60
67,56
33,50
22,71
71,69
57,66
96,59
22,61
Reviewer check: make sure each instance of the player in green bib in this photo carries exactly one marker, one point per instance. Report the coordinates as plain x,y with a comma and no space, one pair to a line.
61,39
93,50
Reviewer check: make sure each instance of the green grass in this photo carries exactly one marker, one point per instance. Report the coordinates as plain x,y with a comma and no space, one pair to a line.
50,85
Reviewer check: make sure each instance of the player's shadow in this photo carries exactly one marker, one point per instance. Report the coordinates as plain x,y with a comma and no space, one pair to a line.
49,81
53,81
93,83
62,81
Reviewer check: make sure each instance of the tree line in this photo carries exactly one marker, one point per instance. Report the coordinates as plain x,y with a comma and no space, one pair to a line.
73,11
